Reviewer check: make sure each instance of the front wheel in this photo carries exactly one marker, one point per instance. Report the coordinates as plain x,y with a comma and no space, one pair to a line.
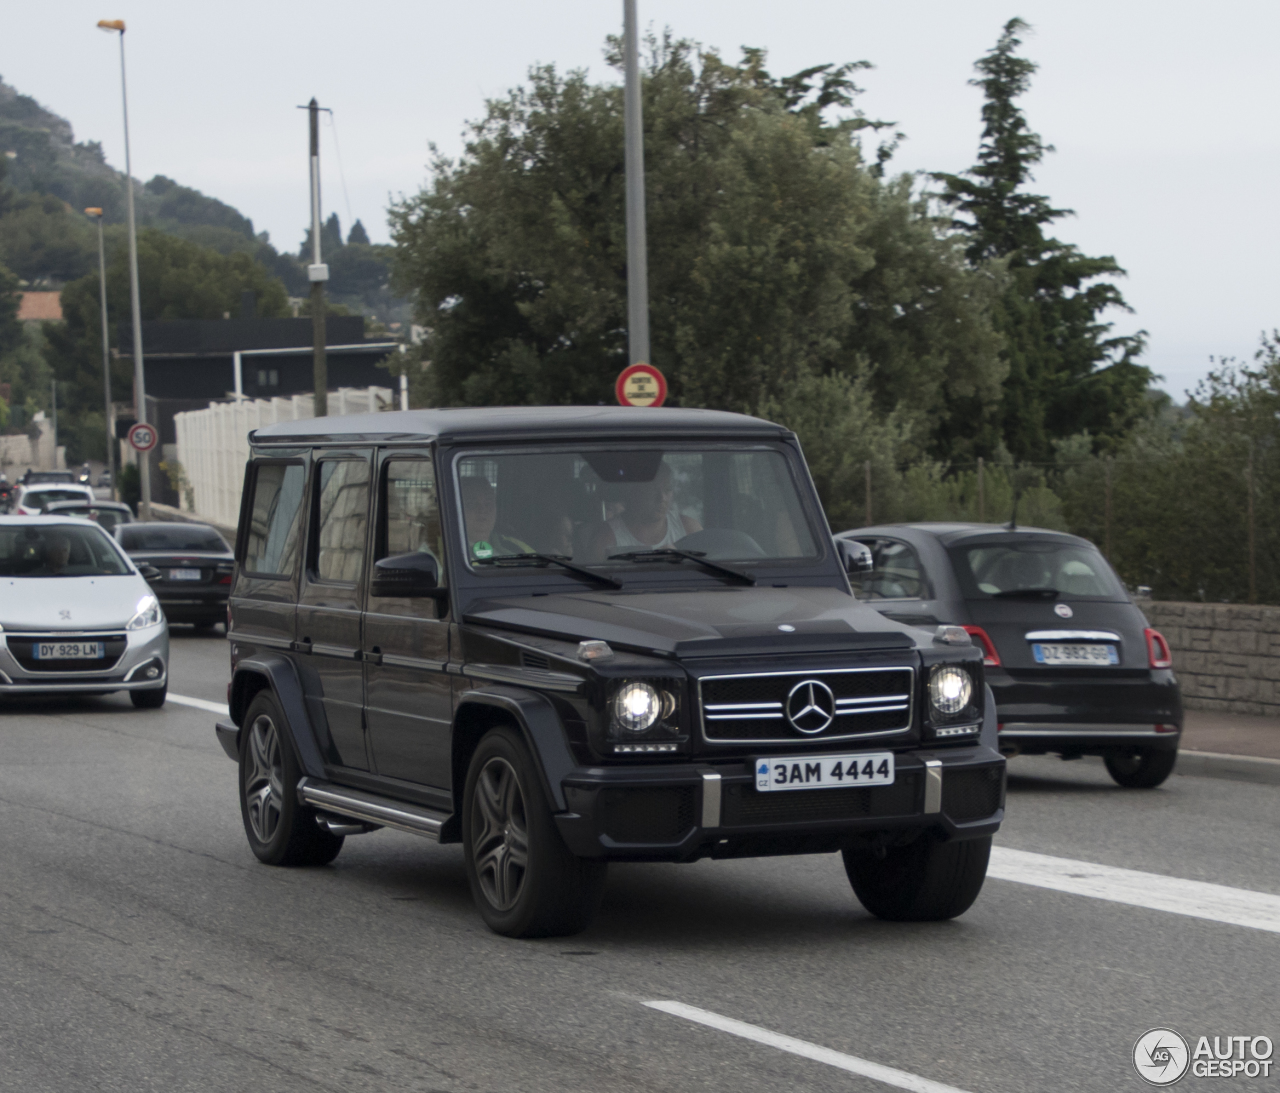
924,881
525,881
1140,768
281,830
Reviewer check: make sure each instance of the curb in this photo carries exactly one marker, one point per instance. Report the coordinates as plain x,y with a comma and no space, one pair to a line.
1239,768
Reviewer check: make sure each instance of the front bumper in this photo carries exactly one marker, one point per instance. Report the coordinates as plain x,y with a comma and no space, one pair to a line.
143,649
696,810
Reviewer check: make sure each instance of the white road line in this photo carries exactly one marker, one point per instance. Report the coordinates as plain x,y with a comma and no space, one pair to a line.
199,704
867,1069
1215,902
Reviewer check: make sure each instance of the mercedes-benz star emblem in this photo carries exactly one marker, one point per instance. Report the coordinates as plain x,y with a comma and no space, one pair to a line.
811,706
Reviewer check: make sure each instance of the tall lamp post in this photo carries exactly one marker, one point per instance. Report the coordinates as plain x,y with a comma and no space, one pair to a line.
139,385
637,256
106,351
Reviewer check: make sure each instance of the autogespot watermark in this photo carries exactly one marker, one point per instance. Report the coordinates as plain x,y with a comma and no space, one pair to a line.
1162,1057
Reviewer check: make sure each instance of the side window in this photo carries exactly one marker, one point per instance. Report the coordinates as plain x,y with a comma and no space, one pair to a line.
411,510
896,573
342,512
271,547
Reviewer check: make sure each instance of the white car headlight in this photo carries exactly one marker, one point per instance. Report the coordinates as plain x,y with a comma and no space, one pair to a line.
636,707
147,613
950,689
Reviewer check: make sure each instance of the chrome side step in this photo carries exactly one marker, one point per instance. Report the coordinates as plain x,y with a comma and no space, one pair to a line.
370,808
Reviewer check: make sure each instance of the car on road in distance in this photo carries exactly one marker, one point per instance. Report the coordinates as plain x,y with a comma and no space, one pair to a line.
31,477
104,480
194,564
32,499
108,515
77,616
1074,666
564,636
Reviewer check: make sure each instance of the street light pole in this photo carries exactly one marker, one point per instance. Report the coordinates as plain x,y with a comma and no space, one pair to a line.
637,256
139,383
106,352
318,274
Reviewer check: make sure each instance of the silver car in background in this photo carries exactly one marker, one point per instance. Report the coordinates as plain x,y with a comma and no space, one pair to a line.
76,615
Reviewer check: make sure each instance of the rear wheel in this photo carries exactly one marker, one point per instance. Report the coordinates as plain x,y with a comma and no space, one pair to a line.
525,881
924,881
281,831
151,699
1140,768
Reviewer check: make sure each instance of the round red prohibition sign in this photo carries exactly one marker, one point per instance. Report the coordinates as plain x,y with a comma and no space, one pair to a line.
143,437
641,385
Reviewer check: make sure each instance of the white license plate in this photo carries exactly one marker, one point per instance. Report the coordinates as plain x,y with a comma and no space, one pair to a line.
69,650
184,574
867,768
1074,654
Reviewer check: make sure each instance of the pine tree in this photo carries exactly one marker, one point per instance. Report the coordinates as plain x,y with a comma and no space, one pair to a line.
1067,371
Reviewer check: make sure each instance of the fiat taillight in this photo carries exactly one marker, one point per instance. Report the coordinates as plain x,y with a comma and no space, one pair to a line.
982,639
1158,652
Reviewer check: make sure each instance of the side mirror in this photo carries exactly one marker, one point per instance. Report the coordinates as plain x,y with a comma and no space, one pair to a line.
149,572
416,575
856,556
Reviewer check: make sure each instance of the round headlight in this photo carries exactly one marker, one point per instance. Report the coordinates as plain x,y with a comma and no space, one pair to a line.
636,707
950,689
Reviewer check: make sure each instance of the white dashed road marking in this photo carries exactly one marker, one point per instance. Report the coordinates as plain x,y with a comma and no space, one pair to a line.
199,704
900,1079
1215,902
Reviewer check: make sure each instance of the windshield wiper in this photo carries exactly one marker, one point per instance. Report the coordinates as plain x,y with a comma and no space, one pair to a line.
672,554
549,559
1027,594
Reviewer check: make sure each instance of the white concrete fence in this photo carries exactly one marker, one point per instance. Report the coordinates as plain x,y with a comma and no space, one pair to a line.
213,444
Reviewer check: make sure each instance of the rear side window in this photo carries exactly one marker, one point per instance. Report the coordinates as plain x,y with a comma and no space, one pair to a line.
271,548
1031,567
896,573
342,513
412,509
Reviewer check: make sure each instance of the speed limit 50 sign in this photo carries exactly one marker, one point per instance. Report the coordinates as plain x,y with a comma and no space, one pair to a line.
143,437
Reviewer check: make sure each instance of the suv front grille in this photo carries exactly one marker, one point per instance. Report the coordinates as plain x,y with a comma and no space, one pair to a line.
754,708
21,646
971,794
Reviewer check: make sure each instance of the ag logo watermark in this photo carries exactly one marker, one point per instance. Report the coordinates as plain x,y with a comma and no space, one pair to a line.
1162,1056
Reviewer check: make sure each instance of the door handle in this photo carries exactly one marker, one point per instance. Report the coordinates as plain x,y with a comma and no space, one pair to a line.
374,655
303,646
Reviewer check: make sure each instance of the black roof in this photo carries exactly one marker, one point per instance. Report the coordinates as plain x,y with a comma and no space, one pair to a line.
954,532
501,423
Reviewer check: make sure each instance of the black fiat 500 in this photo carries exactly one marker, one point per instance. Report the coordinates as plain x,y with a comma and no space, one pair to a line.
568,636
1073,664
193,563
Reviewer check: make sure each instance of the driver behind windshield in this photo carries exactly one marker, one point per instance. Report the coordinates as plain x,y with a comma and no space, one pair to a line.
480,514
649,519
55,553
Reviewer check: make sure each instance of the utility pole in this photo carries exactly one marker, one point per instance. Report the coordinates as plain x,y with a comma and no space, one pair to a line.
637,256
139,382
106,352
317,274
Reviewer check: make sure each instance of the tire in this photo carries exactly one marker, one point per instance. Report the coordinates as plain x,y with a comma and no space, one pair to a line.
1140,768
924,881
151,699
525,881
281,830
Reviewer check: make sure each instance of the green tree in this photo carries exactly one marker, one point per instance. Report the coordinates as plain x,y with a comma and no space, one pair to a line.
1067,371
178,280
777,253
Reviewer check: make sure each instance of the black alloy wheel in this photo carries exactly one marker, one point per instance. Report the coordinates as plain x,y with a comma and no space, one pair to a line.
281,830
925,881
525,881
1140,768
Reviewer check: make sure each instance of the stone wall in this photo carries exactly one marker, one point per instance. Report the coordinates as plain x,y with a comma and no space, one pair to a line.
1226,656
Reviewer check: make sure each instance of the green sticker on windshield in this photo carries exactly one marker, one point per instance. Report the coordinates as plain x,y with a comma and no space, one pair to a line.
481,549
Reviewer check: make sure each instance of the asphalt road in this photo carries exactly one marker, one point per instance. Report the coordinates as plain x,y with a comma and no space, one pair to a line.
142,947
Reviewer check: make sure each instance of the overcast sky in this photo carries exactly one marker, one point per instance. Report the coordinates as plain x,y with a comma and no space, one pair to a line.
1163,114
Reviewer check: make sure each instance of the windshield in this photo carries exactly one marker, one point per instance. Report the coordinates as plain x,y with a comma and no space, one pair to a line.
1034,567
58,550
178,537
44,496
598,507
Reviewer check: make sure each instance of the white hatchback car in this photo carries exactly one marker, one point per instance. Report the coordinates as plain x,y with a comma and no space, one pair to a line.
76,615
32,499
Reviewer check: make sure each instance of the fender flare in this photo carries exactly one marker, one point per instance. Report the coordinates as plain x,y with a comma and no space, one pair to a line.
538,721
282,678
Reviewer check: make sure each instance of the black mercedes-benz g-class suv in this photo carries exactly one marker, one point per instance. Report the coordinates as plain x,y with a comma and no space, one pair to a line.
572,635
